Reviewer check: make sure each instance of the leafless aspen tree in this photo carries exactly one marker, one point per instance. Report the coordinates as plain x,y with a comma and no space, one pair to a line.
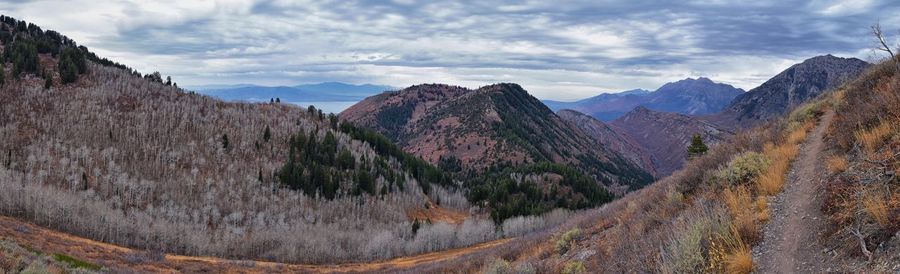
882,44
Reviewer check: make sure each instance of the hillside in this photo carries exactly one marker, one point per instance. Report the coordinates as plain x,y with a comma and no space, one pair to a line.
98,150
666,135
811,191
790,88
689,96
611,137
493,127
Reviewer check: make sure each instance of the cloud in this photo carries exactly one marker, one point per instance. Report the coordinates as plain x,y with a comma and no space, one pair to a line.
555,50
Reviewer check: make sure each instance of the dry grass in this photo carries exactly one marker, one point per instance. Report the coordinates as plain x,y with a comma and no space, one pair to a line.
740,262
772,180
872,139
837,164
877,207
762,205
743,211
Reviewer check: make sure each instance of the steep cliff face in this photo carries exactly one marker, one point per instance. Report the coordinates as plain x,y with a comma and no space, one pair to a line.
788,89
666,135
611,137
470,131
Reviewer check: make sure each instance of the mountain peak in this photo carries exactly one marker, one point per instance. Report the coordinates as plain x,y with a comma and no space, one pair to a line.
790,88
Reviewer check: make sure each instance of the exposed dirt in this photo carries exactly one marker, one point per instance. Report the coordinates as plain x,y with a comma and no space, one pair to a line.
793,241
121,259
437,213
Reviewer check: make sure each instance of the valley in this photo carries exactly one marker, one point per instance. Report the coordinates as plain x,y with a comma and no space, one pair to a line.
105,169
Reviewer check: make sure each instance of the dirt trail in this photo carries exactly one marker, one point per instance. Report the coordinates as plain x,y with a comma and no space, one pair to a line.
120,258
792,241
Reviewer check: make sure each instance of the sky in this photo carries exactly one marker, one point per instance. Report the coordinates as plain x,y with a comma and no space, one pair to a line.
562,50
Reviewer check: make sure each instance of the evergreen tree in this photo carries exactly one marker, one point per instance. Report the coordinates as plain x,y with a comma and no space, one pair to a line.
48,80
267,134
225,141
697,146
415,226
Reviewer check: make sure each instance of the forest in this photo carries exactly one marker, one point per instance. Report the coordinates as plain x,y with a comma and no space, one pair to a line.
108,154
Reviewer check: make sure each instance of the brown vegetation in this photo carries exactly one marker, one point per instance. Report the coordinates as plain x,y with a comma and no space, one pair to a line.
863,197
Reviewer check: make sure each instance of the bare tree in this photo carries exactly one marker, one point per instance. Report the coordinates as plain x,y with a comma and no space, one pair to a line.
882,45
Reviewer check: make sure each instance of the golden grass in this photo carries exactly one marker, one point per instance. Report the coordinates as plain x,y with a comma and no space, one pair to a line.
799,135
730,254
741,206
872,139
876,206
772,180
740,261
762,205
837,164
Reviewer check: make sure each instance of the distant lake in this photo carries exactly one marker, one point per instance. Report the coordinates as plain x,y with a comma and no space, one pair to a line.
332,107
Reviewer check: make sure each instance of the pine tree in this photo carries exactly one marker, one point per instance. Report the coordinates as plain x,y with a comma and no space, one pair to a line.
267,134
225,141
48,80
415,226
697,146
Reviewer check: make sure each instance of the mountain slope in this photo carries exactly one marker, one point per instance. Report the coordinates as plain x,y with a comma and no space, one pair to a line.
493,126
689,96
666,135
612,137
790,88
112,155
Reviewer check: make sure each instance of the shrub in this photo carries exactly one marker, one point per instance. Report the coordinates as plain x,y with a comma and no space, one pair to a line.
837,164
498,266
574,267
744,168
567,240
691,236
75,263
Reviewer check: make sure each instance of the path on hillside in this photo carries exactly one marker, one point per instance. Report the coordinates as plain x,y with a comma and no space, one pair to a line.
792,238
119,259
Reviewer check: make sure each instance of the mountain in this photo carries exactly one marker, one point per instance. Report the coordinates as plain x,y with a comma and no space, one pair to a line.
606,106
666,135
790,88
490,127
689,96
322,92
612,137
692,96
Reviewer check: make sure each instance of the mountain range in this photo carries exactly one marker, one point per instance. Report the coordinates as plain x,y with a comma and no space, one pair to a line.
689,96
321,92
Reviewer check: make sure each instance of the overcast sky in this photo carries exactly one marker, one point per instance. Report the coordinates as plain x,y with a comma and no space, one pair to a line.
555,50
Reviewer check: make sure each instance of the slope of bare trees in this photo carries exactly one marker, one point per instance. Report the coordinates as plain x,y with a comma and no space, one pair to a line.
126,160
